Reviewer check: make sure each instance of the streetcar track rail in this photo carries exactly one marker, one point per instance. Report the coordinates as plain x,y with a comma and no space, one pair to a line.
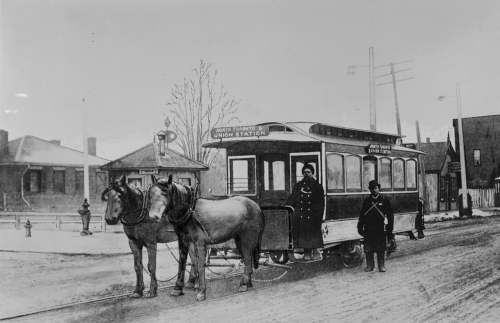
453,230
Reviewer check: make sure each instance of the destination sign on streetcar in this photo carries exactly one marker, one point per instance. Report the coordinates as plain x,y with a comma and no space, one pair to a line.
239,131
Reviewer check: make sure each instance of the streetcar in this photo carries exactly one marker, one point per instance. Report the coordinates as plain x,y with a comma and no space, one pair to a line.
264,162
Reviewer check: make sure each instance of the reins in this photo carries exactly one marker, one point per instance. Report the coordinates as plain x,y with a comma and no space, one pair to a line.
144,208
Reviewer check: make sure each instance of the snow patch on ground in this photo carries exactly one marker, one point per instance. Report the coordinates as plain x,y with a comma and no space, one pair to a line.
452,215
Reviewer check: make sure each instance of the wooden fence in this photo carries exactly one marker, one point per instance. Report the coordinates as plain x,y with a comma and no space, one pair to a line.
483,197
55,221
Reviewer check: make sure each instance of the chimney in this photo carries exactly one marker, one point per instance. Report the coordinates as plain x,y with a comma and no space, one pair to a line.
56,142
161,138
428,140
91,142
4,143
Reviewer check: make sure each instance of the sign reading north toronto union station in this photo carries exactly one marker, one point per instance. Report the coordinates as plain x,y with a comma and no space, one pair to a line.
240,131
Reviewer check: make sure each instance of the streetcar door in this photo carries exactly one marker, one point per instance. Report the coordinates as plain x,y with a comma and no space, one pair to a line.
274,182
298,161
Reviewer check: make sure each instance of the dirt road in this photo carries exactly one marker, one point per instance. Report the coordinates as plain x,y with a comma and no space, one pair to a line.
452,276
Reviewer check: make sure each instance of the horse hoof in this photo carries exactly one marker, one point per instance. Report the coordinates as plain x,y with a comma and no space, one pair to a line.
201,297
151,295
243,288
176,292
136,295
189,285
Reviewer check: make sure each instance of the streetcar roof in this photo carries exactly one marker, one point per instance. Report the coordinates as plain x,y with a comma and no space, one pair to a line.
301,132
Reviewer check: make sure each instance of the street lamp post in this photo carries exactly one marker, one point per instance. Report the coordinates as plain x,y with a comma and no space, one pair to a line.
463,174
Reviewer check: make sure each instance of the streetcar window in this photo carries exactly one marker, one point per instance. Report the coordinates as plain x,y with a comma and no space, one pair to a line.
369,171
335,173
353,173
411,175
242,176
385,174
274,176
399,174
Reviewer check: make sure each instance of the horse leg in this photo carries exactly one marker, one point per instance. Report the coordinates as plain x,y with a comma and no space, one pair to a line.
201,254
137,252
247,255
183,251
153,286
193,273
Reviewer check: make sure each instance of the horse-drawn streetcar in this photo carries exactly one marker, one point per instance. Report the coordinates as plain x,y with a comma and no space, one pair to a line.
265,161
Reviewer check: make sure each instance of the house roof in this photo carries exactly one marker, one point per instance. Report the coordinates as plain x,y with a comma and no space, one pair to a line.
150,157
34,150
436,154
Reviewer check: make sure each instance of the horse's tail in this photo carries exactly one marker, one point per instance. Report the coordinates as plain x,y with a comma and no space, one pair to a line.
256,252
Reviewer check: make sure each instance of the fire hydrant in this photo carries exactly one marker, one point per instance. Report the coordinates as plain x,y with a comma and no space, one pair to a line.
85,213
28,228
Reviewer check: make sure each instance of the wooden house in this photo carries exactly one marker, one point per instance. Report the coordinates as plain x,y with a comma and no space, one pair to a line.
440,162
482,157
158,160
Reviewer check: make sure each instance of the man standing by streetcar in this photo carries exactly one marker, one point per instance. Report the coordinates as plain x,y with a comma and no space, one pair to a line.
308,201
376,215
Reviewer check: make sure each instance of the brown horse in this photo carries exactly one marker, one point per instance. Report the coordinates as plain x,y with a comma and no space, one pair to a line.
127,204
201,222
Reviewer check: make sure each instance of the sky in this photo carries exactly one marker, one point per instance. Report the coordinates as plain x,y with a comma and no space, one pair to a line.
283,60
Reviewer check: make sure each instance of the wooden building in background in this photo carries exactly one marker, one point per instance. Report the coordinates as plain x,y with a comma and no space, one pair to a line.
482,157
440,174
158,160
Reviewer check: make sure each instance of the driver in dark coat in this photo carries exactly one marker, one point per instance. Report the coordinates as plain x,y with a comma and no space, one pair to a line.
308,201
376,213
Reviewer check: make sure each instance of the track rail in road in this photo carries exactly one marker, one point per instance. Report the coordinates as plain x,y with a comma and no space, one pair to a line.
455,234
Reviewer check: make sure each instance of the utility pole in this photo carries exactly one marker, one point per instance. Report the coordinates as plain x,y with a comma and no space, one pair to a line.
373,112
422,172
463,170
393,74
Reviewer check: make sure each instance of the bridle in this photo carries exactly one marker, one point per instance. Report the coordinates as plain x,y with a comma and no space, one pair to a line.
144,209
180,221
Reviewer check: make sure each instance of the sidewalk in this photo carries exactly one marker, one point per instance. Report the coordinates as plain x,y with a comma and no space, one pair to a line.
67,242
117,243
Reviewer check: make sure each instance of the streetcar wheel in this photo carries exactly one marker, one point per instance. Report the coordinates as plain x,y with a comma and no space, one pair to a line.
279,257
351,255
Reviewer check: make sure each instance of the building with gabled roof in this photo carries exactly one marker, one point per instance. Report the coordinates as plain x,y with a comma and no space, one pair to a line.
43,176
441,176
158,160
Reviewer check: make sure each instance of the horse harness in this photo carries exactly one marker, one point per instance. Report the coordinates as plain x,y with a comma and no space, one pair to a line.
143,214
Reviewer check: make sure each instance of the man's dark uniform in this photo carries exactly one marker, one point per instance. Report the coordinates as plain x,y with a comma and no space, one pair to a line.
308,200
375,213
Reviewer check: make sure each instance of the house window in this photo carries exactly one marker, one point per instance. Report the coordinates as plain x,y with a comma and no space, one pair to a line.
353,173
59,182
34,184
185,181
135,182
453,193
477,157
79,181
242,175
385,174
335,173
442,188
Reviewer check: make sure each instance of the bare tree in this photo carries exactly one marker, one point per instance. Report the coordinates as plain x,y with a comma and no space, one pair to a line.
199,105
